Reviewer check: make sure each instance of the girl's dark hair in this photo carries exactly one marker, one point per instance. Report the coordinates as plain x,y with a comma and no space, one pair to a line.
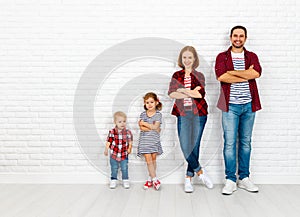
191,49
238,27
154,96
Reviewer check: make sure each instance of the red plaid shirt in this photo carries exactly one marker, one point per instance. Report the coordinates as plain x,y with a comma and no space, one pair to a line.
224,64
119,143
199,106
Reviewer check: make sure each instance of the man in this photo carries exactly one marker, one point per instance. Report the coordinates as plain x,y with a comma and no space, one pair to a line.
237,69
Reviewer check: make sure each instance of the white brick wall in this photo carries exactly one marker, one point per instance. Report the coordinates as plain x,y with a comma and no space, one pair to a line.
45,47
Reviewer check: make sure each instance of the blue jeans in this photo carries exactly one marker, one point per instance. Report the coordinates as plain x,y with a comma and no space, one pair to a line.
237,122
190,129
114,166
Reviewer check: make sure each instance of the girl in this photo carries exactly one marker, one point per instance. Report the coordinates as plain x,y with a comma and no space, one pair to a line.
190,108
149,142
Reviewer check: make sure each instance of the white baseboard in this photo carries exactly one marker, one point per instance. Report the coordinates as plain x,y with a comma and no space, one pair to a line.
98,178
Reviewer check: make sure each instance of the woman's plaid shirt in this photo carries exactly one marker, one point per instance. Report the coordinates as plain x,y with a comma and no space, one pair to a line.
199,106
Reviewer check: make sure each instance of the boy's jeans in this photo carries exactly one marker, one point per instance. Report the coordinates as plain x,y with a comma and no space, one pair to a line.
115,167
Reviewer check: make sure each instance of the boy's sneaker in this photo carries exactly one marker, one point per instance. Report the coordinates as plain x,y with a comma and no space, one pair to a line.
126,183
113,184
148,184
188,187
156,184
229,188
205,179
246,184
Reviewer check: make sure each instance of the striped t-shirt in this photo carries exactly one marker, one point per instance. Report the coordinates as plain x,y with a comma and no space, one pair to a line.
239,92
149,141
187,85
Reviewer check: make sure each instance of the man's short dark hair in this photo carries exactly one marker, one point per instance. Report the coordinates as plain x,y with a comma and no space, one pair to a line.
238,27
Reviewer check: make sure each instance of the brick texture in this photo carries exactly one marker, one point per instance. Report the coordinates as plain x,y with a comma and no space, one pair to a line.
46,46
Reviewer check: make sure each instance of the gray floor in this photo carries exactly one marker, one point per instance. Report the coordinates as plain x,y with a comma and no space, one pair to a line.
31,200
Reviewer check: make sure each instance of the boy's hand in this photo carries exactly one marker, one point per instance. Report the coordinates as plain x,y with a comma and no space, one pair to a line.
129,150
106,152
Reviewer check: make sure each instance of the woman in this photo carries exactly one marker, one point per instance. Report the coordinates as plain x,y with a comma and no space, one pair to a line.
187,87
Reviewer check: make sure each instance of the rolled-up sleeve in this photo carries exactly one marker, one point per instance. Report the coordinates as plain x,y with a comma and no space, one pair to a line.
174,84
201,80
220,68
255,63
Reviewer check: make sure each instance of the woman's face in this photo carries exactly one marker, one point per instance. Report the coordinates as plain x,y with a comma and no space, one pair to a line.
188,59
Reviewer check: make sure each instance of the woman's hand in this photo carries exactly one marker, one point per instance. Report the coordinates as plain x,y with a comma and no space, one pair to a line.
195,93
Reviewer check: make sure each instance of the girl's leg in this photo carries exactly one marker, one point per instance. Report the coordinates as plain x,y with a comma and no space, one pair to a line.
150,165
156,182
153,156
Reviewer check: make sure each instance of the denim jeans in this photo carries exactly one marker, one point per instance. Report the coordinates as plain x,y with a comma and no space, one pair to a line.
190,129
114,166
237,122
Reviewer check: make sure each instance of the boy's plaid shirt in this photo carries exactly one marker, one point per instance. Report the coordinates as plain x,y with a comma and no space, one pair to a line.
119,142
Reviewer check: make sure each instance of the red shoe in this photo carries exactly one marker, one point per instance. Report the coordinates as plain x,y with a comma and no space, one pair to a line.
148,184
156,184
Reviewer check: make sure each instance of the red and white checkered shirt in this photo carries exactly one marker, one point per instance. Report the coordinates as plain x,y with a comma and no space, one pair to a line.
119,143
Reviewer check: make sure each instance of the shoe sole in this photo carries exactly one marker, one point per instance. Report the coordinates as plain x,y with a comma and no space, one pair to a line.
225,193
244,188
209,187
157,188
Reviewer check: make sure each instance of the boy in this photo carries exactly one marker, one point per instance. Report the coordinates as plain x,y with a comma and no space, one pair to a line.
119,141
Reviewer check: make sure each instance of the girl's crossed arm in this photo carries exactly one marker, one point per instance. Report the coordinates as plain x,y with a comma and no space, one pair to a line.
144,126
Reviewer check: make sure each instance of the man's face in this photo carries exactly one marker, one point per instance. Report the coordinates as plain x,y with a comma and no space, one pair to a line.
238,38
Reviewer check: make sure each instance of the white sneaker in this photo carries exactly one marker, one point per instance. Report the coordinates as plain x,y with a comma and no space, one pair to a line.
246,184
205,179
113,184
188,187
126,183
229,188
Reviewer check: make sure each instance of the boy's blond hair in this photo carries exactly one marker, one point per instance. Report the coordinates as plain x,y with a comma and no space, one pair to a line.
119,114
